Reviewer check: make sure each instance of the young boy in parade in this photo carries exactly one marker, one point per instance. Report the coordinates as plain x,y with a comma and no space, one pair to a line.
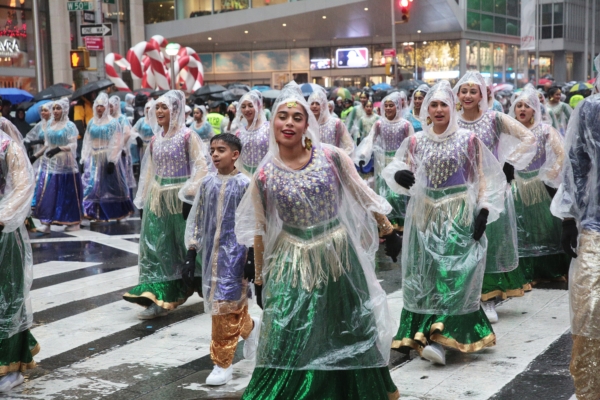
210,231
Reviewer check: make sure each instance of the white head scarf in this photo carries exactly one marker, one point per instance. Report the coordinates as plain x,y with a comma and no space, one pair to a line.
149,106
529,97
129,99
291,93
64,118
101,100
254,97
441,91
320,97
175,101
115,101
421,89
203,111
396,98
48,107
474,78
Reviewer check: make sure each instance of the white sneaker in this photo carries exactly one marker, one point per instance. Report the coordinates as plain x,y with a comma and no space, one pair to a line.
71,228
489,308
251,342
219,376
11,380
435,353
152,312
44,229
85,223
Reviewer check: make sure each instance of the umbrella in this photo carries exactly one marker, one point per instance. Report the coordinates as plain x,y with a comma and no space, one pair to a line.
228,95
543,81
353,89
146,91
15,96
340,92
579,86
53,92
261,88
382,86
271,94
209,89
32,115
237,91
159,93
91,87
238,85
309,88
592,81
503,86
410,84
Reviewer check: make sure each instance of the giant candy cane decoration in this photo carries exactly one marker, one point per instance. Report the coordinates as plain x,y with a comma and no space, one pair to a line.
111,60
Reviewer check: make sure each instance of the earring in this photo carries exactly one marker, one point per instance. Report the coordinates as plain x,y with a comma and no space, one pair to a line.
304,140
458,106
429,121
308,144
532,120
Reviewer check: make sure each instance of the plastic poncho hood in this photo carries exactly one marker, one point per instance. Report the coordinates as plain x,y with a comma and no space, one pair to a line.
319,96
256,99
531,98
442,91
474,78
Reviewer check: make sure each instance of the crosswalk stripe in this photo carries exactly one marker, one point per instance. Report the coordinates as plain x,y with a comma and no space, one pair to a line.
50,268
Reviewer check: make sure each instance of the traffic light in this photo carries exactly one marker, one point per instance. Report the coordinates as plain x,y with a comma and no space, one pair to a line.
404,10
390,69
79,59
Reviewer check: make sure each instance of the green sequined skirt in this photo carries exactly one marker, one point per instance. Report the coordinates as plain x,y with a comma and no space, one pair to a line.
467,333
16,353
505,284
397,201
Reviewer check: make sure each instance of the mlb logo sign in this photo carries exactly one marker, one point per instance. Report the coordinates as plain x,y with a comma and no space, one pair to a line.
352,58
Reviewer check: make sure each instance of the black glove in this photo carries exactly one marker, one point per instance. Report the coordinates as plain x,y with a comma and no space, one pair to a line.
509,172
231,115
110,168
185,210
52,152
123,153
258,292
404,178
141,214
2,228
189,268
480,224
139,142
393,245
249,268
569,237
32,159
361,163
34,142
551,191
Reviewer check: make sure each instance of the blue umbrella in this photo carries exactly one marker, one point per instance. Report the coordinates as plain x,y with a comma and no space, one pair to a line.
309,88
261,88
15,96
382,86
32,115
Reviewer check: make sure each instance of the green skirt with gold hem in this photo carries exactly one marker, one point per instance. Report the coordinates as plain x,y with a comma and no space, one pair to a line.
553,267
16,353
168,295
467,333
505,285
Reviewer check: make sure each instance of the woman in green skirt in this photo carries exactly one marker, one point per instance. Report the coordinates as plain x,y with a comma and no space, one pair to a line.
17,345
171,173
315,226
456,187
541,256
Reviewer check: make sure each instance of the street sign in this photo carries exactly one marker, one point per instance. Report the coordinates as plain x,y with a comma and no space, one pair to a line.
94,42
389,52
89,16
96,30
80,5
109,1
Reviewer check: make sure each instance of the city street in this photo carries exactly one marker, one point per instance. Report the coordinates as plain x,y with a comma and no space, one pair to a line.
93,346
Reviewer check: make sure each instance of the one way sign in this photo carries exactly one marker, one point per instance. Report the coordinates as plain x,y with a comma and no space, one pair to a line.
96,30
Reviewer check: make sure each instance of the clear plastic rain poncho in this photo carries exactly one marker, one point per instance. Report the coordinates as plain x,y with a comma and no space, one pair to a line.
332,130
143,130
171,173
63,134
11,130
323,306
410,112
203,128
128,139
512,143
562,113
16,262
455,177
210,231
254,136
579,197
38,131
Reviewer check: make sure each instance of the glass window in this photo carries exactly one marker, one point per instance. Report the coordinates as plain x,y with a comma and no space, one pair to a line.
473,21
558,31
512,8
474,4
222,6
472,55
158,11
487,5
486,61
500,7
193,8
512,27
487,23
500,25
546,32
558,13
546,14
263,3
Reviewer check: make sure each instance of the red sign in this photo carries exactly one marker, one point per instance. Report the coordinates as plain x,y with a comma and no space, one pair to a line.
389,52
94,42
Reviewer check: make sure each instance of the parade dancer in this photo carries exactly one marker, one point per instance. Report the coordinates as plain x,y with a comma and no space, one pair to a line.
367,121
58,190
383,141
143,132
210,232
456,187
315,227
253,132
17,344
562,111
105,190
331,130
126,160
415,107
34,141
203,129
576,202
172,169
514,146
540,254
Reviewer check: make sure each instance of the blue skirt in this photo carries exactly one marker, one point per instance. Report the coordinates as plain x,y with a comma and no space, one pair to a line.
58,198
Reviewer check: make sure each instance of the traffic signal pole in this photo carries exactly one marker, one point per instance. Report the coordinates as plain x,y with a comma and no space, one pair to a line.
394,41
100,53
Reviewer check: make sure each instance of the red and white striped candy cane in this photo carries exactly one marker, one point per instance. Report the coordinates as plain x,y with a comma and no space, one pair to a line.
110,60
153,51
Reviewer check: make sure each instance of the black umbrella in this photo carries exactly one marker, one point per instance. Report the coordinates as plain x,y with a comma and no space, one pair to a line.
209,89
121,95
227,95
238,85
91,87
53,92
25,105
410,84
159,93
